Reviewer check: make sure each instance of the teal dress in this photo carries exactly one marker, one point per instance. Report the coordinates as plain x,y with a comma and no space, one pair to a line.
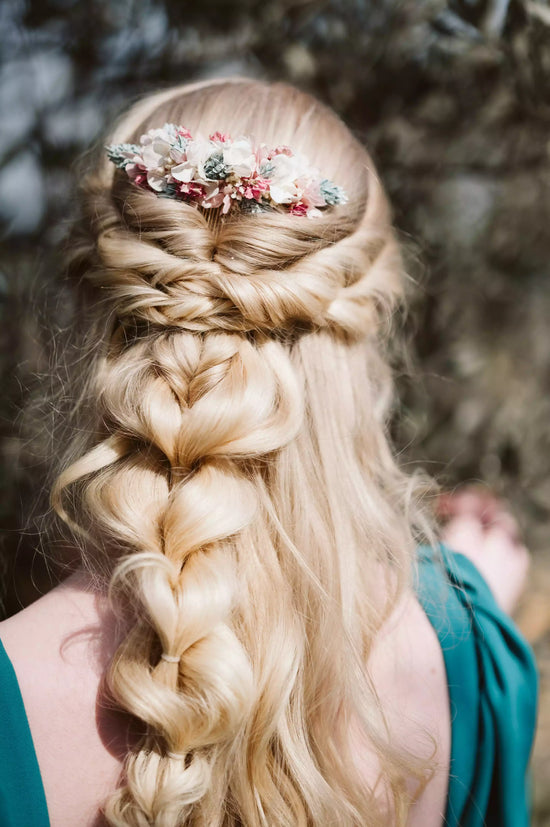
22,798
492,689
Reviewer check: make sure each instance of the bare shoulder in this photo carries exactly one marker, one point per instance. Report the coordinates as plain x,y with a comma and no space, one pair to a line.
409,673
58,647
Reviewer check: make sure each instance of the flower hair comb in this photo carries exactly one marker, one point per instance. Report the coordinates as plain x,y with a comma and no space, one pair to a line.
222,172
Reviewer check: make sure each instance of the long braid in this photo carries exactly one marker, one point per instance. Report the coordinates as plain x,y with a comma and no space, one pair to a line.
205,402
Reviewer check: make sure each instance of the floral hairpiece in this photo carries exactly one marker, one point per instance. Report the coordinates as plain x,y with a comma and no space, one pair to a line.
221,172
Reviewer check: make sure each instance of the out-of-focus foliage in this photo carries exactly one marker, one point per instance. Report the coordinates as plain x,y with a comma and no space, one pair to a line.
453,99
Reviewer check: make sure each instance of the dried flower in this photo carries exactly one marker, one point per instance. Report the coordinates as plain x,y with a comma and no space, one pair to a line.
221,172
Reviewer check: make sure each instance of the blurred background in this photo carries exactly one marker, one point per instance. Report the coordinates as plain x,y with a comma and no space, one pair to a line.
452,97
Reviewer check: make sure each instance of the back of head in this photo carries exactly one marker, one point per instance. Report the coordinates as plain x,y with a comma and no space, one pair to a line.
230,476
294,270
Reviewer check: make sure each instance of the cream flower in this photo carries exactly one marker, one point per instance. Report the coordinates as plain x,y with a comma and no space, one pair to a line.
156,180
286,171
192,168
284,193
240,156
156,149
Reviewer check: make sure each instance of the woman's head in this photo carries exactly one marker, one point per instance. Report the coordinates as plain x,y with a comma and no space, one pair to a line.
230,475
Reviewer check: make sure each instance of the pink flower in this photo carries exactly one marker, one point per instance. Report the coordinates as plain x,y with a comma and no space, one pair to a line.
137,173
281,150
192,190
183,132
299,209
311,192
222,137
256,187
215,200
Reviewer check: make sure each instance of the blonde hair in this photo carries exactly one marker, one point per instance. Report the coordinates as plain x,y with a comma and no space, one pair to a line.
229,477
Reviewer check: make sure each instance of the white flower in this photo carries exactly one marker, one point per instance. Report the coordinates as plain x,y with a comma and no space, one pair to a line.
313,212
192,169
284,193
156,149
240,156
177,154
152,134
183,172
157,180
284,180
198,152
287,167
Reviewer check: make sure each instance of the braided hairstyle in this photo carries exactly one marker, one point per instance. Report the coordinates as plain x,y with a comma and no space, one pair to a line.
229,479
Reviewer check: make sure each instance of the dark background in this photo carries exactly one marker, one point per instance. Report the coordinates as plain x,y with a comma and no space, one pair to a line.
452,97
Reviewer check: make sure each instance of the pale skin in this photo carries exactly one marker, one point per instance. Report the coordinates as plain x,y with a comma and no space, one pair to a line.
59,647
